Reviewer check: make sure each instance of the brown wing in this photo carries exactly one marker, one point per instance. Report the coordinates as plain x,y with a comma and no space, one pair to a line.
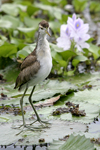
29,68
30,59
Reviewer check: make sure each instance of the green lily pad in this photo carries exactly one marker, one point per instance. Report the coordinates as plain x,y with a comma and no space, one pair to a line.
89,96
91,111
43,91
32,137
74,142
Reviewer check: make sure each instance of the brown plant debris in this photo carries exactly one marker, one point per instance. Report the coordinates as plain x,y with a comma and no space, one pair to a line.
41,140
1,79
65,138
49,102
72,108
3,96
8,109
95,141
60,111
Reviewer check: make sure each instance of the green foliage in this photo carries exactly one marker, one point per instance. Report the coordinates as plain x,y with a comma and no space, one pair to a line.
74,142
79,5
19,22
8,50
94,6
32,137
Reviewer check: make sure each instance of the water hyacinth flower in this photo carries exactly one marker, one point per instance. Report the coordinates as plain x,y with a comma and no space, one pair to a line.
64,40
75,31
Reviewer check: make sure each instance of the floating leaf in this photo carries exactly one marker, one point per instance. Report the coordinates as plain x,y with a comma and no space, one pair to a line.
48,134
74,142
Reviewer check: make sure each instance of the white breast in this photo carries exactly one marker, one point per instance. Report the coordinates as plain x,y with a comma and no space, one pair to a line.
45,59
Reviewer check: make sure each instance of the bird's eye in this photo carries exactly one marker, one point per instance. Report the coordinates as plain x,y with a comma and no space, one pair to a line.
41,28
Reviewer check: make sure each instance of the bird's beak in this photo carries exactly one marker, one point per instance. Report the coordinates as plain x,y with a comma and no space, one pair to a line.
47,32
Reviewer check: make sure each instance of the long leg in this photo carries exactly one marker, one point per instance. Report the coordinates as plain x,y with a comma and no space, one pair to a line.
21,104
30,100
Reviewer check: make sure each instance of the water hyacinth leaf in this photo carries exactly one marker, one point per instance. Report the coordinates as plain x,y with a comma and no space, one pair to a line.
95,50
48,134
7,50
77,59
26,30
19,42
31,10
31,22
54,11
74,142
67,54
14,21
13,9
80,5
26,51
55,1
5,24
54,26
10,74
94,6
2,39
57,57
54,47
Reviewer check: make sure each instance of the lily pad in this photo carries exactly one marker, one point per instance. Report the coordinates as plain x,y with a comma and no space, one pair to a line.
43,91
32,137
74,142
88,96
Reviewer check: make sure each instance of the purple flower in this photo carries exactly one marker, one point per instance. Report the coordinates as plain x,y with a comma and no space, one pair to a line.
64,40
76,31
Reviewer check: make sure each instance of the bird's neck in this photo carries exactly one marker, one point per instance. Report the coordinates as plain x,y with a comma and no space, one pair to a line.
42,48
42,41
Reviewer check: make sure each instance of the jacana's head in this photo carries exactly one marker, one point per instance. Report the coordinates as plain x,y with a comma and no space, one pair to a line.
44,28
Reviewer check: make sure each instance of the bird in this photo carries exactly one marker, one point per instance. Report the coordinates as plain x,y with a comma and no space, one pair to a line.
35,68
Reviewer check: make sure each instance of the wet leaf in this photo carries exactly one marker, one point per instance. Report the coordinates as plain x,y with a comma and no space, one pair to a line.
48,102
74,142
48,134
